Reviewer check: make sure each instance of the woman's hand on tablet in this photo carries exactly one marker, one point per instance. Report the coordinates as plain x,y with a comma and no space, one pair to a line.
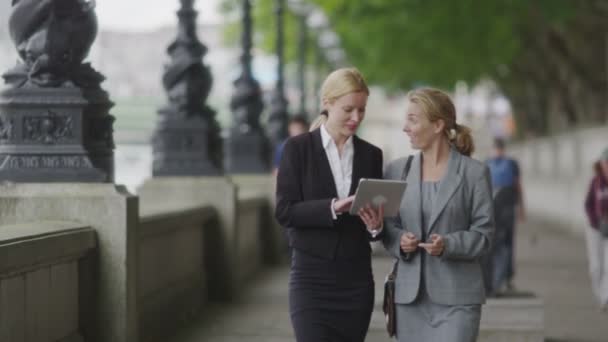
343,205
372,218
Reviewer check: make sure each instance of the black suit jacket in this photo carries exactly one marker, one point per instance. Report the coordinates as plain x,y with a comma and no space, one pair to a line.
305,189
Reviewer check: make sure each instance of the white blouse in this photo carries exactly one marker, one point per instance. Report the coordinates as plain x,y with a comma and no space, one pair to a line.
341,168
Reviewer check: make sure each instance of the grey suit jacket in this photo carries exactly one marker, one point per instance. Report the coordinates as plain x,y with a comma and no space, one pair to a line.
462,214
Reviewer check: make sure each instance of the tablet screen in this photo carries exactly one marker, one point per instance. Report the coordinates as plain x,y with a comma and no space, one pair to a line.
376,192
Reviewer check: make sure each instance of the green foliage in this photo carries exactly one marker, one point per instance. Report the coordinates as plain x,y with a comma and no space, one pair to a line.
398,43
406,42
264,19
540,52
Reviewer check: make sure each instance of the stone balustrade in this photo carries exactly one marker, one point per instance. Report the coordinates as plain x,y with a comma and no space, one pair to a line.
145,273
182,255
45,288
171,281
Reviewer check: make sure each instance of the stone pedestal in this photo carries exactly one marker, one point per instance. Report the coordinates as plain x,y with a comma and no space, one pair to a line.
56,135
113,213
247,153
186,147
164,194
251,185
273,235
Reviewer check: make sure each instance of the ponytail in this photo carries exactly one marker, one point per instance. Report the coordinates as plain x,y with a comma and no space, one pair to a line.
320,121
462,139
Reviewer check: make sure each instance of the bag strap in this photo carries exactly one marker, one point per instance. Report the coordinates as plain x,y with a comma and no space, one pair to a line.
408,166
406,171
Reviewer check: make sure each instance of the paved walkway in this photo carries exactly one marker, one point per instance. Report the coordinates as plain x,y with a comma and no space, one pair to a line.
551,264
554,266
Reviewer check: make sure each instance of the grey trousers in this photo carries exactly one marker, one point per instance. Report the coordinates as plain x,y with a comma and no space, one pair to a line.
424,321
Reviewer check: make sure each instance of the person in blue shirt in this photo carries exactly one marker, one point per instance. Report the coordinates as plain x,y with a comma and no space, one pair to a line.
508,206
296,126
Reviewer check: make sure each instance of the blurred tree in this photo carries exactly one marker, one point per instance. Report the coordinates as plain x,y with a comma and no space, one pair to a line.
265,27
549,56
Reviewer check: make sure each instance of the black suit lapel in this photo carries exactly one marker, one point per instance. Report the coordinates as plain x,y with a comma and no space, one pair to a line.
326,184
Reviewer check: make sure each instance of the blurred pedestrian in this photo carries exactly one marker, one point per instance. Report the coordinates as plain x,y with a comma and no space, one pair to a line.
596,207
296,126
508,206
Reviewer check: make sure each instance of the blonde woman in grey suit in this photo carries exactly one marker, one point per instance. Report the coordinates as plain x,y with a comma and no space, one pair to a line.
444,226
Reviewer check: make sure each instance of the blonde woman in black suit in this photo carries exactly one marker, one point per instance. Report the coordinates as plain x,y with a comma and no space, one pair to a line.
331,289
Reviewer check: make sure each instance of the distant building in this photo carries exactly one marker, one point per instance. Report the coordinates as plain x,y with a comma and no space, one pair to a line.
133,62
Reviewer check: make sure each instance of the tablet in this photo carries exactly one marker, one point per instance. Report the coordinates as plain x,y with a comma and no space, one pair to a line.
379,191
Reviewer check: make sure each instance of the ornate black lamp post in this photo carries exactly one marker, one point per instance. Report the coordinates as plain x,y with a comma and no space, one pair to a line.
319,23
302,10
248,149
302,54
277,122
319,72
187,139
55,124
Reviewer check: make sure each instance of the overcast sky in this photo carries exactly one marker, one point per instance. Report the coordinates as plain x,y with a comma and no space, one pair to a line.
145,15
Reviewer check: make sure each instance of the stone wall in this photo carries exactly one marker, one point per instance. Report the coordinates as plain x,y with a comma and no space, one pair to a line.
122,274
43,290
171,270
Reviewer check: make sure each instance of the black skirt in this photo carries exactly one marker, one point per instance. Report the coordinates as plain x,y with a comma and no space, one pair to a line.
330,300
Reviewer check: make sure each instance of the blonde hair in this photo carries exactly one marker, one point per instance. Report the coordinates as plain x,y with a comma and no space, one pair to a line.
339,83
437,105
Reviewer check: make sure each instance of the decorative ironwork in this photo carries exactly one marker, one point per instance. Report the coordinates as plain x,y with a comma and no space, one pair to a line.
53,38
277,121
187,139
49,129
6,129
55,124
302,54
248,147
